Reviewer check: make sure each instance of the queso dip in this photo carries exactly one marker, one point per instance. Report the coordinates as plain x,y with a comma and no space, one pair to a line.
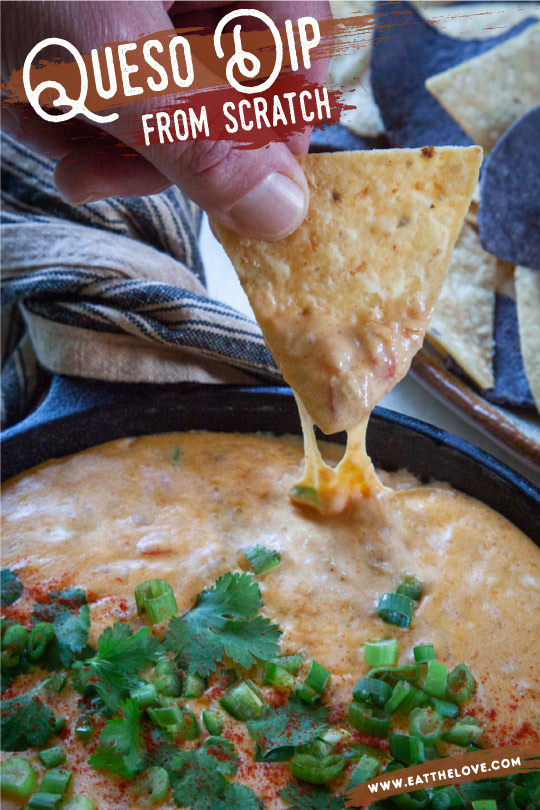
183,507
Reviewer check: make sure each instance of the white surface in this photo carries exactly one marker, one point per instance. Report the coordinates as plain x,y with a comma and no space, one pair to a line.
408,396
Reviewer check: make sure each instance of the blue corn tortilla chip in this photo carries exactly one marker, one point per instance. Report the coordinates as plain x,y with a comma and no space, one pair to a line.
511,386
509,210
406,51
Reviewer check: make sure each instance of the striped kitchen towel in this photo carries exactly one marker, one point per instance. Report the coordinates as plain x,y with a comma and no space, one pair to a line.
113,290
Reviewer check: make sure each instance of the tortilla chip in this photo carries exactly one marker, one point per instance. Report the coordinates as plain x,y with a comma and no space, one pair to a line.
462,322
344,301
528,307
475,20
487,93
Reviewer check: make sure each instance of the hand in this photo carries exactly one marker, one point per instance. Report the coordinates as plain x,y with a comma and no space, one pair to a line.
261,193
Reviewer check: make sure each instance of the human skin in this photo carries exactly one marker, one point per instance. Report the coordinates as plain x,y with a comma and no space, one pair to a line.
260,193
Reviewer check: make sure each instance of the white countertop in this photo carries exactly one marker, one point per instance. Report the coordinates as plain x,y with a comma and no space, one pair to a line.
408,397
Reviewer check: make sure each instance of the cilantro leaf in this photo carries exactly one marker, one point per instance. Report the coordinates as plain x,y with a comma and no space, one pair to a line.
222,749
290,725
239,796
308,797
26,722
120,749
196,782
121,655
10,587
224,622
70,616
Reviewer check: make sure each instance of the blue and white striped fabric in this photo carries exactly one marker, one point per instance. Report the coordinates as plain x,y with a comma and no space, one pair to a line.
113,290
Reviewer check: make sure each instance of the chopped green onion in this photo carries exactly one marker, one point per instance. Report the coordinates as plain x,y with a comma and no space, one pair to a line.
518,799
303,494
407,672
17,777
84,727
44,801
155,597
460,684
57,683
176,454
308,695
399,693
59,724
396,608
315,748
410,586
380,652
424,653
367,768
195,685
152,784
278,677
13,644
411,801
317,677
51,757
40,636
242,702
372,690
187,728
444,707
426,724
407,749
369,719
464,732
262,559
290,663
166,678
213,722
435,682
317,771
334,735
166,716
77,803
145,695
445,798
484,804
56,781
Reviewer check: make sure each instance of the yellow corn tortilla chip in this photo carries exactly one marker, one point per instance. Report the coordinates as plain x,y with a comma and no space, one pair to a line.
462,321
528,308
487,93
343,303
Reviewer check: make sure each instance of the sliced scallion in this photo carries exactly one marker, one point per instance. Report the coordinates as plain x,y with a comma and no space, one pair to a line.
369,719
165,716
367,768
262,559
372,690
17,777
426,724
40,636
145,695
155,597
166,679
242,702
51,757
407,749
213,722
380,652
152,785
317,677
407,672
187,728
57,683
435,682
84,727
77,803
278,677
460,684
195,685
411,586
56,780
464,732
414,800
446,797
396,608
445,707
308,695
424,653
44,801
317,771
399,693
484,804
290,663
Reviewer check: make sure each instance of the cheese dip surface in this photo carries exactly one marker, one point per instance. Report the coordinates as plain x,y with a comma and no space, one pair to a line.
183,507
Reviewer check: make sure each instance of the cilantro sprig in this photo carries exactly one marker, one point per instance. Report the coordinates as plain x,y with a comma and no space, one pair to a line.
121,655
10,587
26,722
287,726
223,623
69,613
120,750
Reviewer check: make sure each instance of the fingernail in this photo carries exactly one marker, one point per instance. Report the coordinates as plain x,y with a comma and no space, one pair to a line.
74,199
273,209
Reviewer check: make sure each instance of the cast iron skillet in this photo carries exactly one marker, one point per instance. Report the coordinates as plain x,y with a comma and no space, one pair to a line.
78,414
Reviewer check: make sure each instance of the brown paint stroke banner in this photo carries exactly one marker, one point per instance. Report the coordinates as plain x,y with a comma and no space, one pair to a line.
470,767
